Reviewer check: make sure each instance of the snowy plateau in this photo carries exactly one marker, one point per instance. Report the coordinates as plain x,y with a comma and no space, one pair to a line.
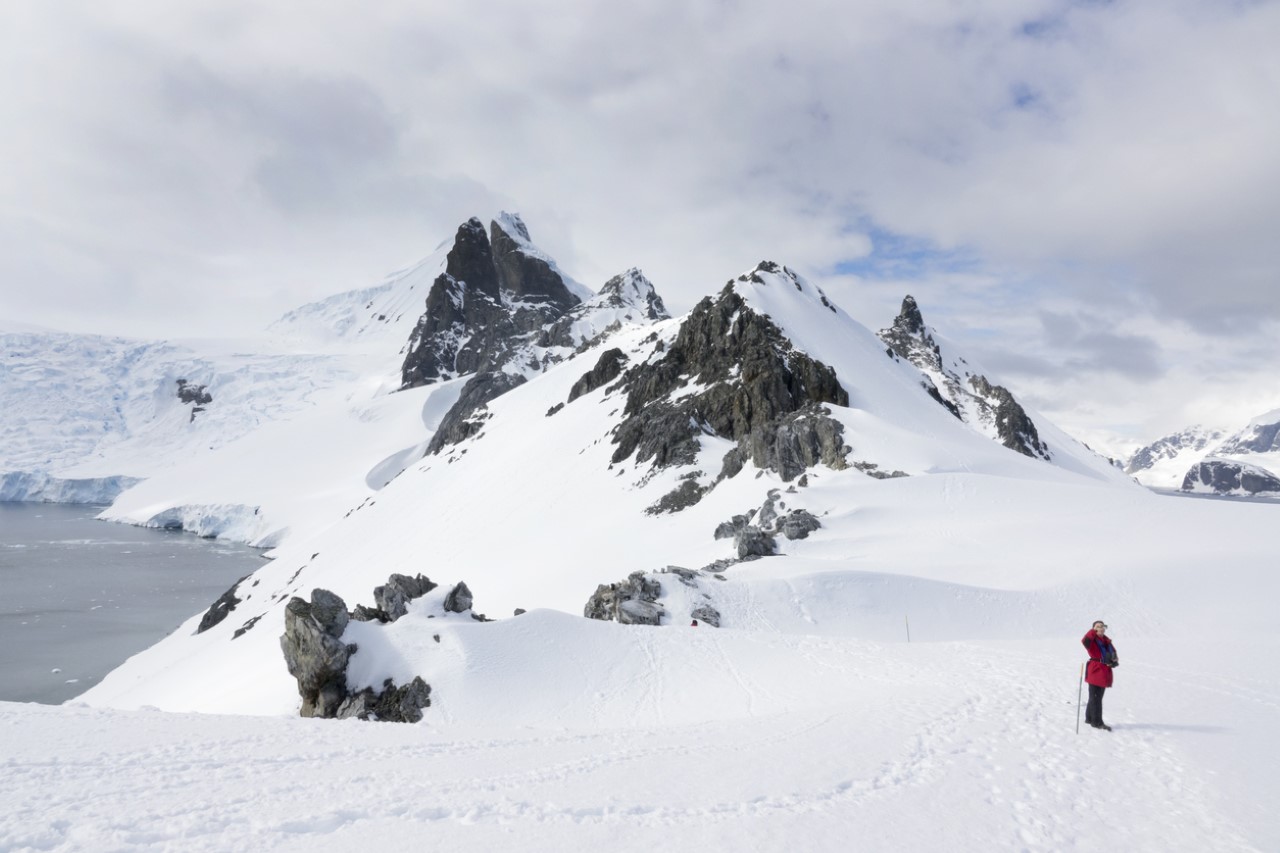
890,559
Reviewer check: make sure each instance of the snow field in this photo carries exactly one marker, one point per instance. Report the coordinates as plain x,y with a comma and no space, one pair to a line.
796,743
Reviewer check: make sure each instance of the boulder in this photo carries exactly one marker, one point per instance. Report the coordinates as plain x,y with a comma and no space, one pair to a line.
752,542
798,524
630,602
314,651
393,597
458,600
706,613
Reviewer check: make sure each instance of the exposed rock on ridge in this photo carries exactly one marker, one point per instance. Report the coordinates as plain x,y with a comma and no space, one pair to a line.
220,608
969,396
749,383
501,311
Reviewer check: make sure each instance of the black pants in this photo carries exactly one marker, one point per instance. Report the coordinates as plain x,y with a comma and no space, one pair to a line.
1093,711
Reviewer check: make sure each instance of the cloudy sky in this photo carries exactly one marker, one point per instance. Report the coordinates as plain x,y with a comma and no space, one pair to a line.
1085,195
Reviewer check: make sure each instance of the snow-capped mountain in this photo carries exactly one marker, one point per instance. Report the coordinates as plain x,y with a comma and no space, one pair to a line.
1205,460
858,554
665,464
1165,461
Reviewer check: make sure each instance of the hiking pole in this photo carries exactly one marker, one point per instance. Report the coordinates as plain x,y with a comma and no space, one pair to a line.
1079,692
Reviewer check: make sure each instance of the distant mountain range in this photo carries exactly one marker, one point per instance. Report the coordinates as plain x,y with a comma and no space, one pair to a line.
1203,460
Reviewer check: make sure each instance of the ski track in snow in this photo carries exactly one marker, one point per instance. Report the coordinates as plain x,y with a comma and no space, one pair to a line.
944,746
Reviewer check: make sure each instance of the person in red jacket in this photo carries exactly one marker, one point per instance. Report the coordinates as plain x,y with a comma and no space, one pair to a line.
1102,659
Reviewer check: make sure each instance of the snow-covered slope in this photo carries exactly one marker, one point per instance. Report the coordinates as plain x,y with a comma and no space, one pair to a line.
761,464
536,510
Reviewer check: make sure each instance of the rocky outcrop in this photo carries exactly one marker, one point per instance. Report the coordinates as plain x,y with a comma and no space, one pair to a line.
220,608
707,614
683,496
189,392
632,289
608,368
967,395
464,300
755,533
502,311
391,600
318,658
392,704
750,379
459,599
1014,428
910,338
626,298
792,444
1226,476
467,416
314,651
196,395
633,601
524,274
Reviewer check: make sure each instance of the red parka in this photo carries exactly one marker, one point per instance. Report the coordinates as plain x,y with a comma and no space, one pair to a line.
1096,672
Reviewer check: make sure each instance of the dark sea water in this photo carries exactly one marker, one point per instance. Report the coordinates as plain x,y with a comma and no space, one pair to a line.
79,596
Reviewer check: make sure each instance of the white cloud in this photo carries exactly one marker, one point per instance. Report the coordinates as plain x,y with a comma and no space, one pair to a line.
184,167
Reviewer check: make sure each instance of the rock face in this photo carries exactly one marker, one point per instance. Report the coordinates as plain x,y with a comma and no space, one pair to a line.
752,384
220,608
1225,476
968,395
502,311
633,601
314,651
792,444
1014,428
607,369
467,416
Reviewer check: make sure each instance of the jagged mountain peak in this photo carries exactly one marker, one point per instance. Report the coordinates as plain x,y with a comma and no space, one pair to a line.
1176,449
767,277
958,386
632,288
1261,435
910,319
513,225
